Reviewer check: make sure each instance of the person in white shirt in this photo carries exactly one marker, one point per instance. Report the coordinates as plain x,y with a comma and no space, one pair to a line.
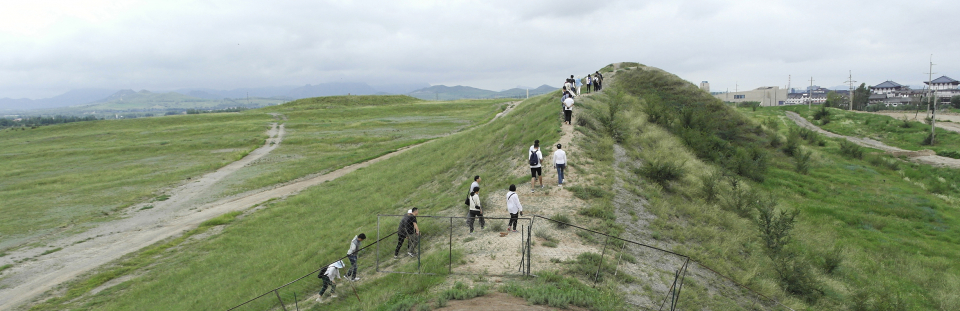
330,273
475,209
560,161
513,207
576,85
536,158
568,110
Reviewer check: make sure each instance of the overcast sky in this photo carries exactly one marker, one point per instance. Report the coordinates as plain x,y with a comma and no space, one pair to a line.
49,47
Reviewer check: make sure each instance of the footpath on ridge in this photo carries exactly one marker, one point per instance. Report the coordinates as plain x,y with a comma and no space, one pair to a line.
83,252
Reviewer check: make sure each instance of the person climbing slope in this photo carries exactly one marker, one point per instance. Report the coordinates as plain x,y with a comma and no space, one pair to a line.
330,273
475,209
513,208
535,158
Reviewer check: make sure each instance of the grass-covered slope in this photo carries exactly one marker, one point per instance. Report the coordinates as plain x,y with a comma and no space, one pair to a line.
871,233
289,238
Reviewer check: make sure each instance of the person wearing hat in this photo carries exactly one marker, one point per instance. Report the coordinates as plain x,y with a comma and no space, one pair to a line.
560,162
332,272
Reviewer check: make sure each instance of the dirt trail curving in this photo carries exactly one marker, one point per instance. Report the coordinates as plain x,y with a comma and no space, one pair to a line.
109,241
924,156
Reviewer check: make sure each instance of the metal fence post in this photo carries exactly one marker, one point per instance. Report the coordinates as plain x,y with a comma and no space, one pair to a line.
523,250
450,249
600,266
529,251
281,300
378,243
296,301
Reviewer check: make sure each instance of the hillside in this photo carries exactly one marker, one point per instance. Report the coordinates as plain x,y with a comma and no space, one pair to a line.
756,213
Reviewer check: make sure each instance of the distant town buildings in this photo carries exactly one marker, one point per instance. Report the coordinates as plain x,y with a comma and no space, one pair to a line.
888,93
766,95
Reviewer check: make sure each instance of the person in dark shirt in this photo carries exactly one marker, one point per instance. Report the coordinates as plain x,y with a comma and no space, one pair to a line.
408,229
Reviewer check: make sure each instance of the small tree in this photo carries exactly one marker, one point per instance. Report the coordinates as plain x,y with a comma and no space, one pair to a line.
955,102
861,96
774,226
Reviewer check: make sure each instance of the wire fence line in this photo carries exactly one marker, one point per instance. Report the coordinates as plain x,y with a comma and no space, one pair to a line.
491,255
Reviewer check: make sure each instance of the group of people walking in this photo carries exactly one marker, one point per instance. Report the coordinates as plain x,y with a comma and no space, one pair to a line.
409,231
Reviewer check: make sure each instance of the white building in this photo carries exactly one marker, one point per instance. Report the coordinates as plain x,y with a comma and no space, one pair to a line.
766,95
705,86
944,88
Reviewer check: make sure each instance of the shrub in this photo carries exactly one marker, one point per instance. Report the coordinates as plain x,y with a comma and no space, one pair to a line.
774,227
661,171
496,225
949,154
461,291
710,189
793,143
797,278
905,124
588,192
739,200
832,260
561,221
822,113
803,162
851,149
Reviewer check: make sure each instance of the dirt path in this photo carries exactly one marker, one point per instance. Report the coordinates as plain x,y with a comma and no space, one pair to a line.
109,241
924,157
947,121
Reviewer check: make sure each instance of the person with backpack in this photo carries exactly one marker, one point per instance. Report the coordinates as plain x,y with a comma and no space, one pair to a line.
599,80
475,209
568,110
513,208
352,255
534,158
560,161
408,229
327,275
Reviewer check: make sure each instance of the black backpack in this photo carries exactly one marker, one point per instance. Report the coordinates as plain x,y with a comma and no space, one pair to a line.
534,159
322,272
467,202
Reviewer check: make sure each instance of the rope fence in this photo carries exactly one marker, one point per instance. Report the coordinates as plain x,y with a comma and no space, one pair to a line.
540,244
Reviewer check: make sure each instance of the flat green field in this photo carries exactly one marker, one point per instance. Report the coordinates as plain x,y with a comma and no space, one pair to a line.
61,177
67,177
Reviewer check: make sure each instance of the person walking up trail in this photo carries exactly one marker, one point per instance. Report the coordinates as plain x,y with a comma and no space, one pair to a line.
408,229
352,255
332,272
513,207
475,209
568,110
588,83
536,157
560,161
475,184
576,85
599,81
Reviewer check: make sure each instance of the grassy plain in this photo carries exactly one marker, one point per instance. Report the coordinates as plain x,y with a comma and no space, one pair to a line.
268,248
66,176
872,234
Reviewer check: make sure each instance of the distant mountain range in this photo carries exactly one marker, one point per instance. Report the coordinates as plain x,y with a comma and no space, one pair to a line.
109,100
442,92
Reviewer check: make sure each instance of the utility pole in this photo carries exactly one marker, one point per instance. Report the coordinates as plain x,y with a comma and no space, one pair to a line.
850,80
810,95
934,99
